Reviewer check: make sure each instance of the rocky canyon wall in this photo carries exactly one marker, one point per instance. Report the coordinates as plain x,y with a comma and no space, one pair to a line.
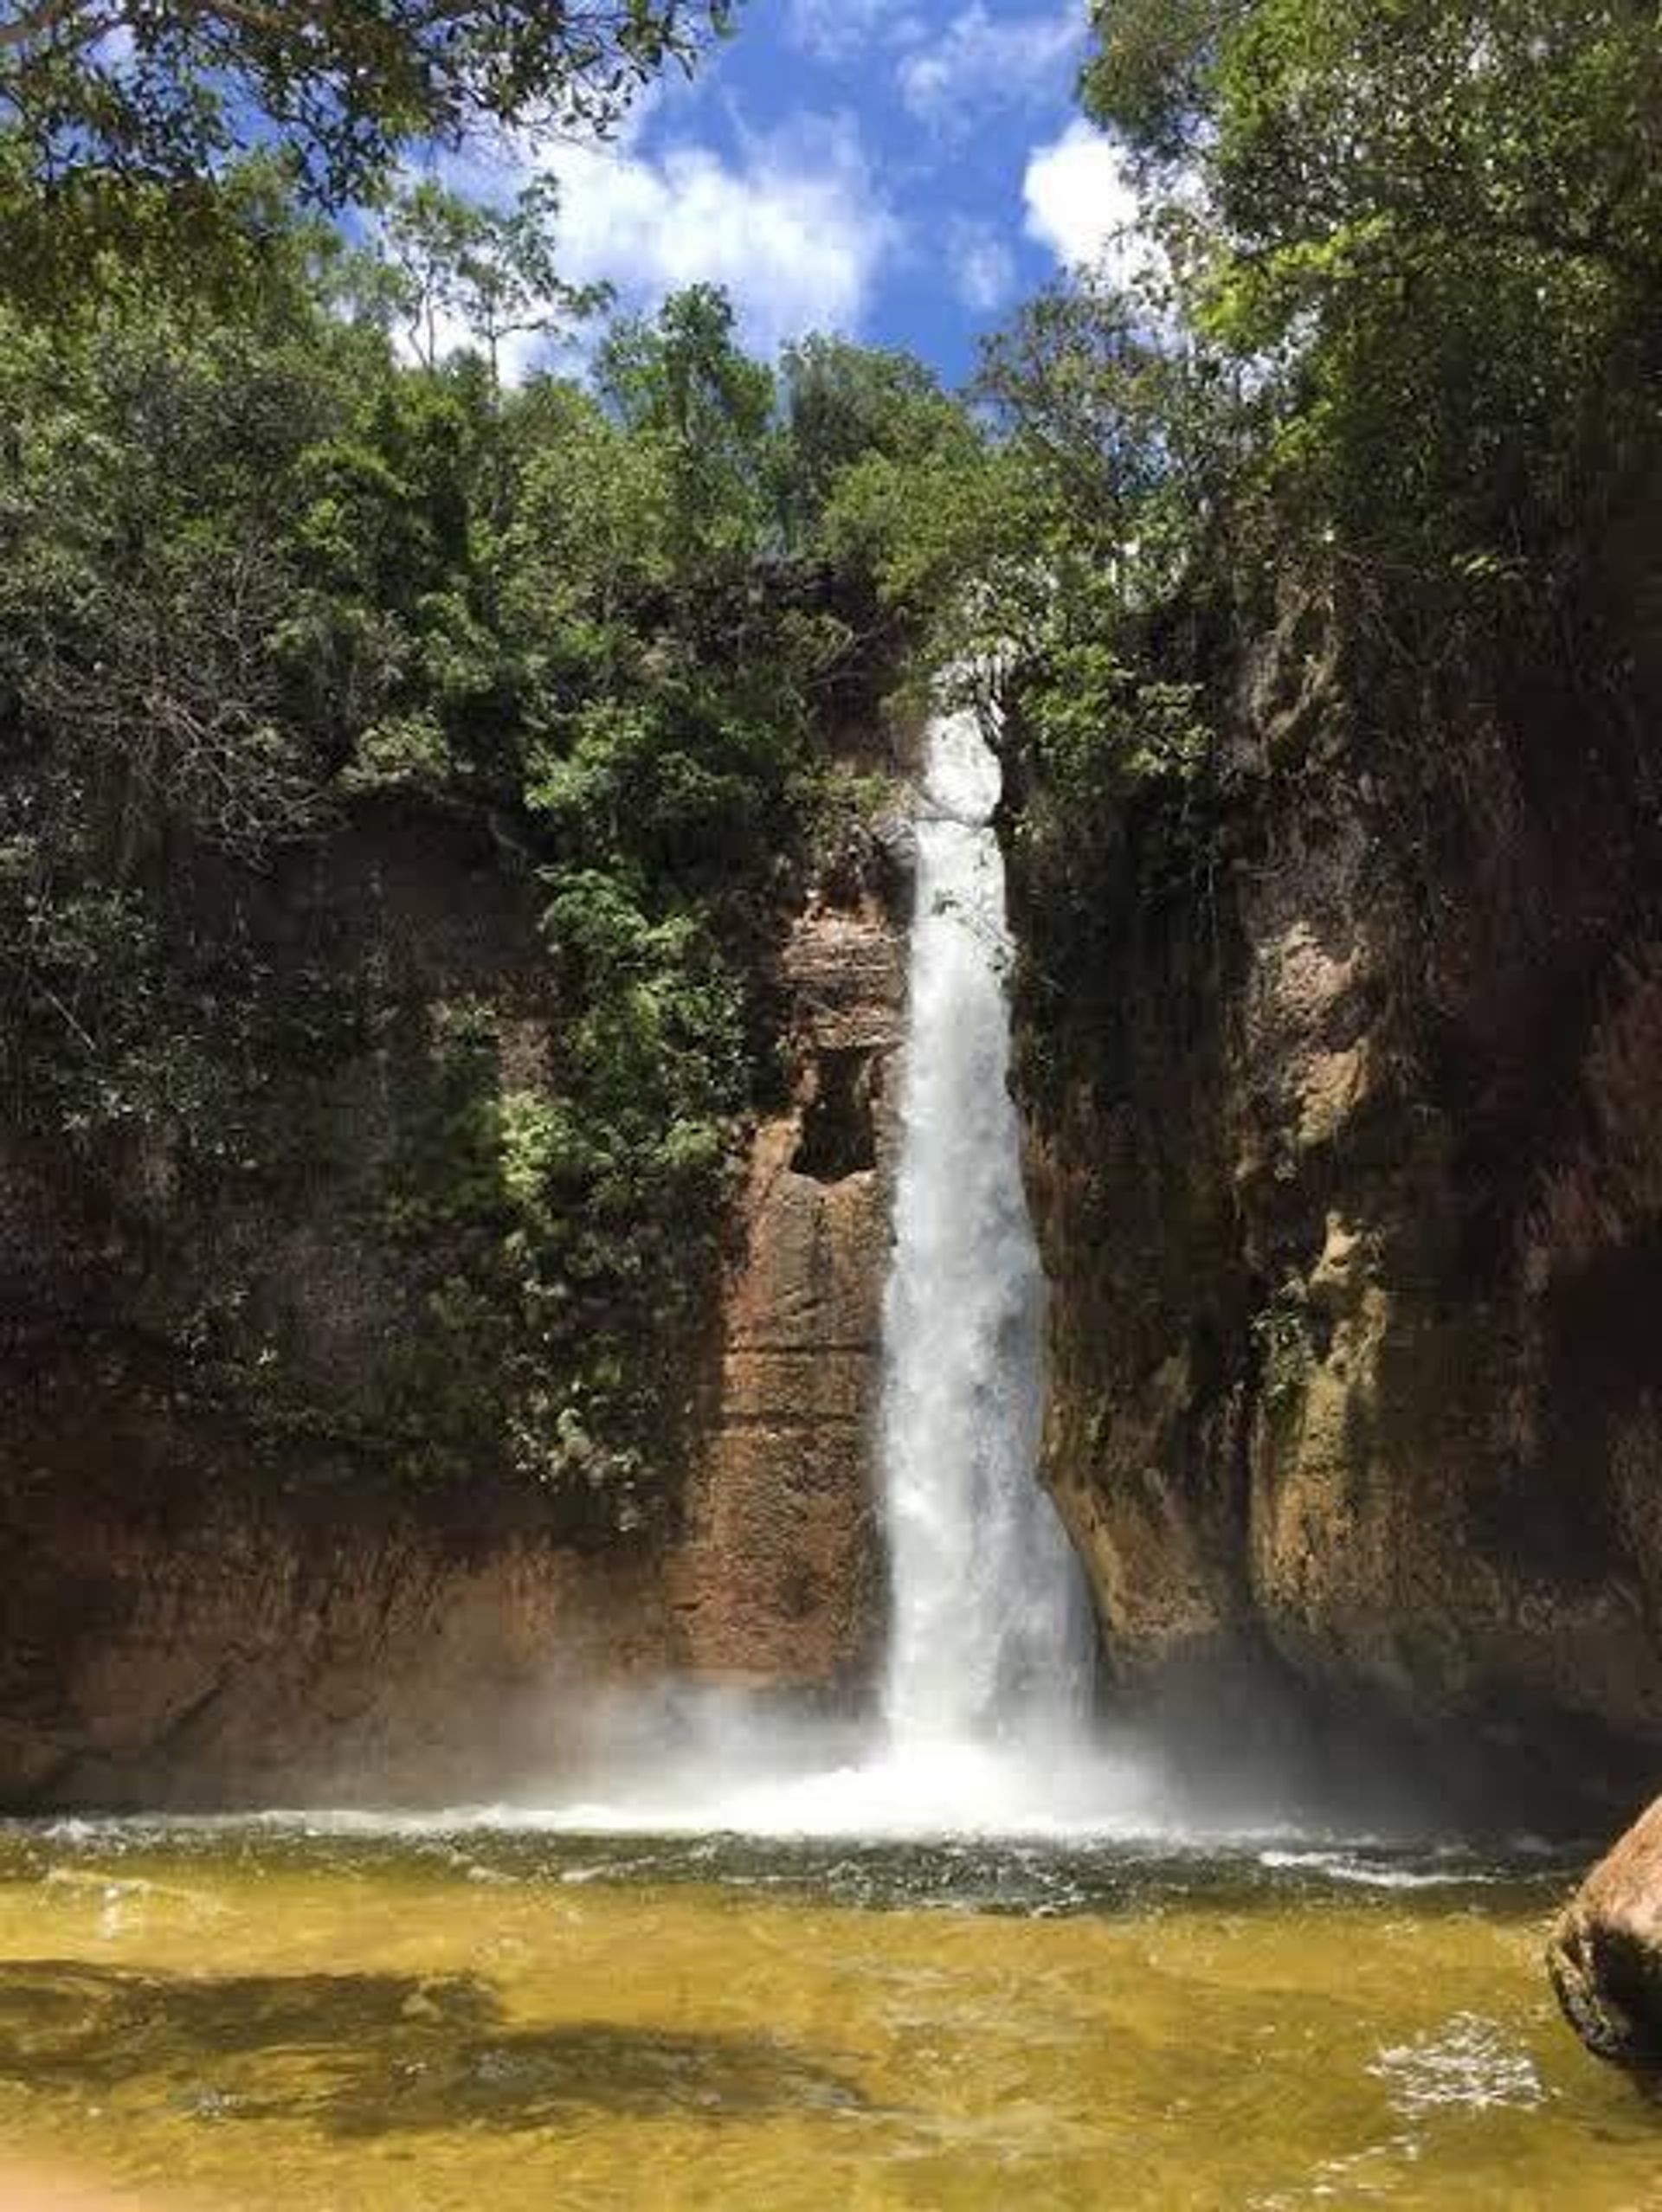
775,1579
1346,1147
205,1604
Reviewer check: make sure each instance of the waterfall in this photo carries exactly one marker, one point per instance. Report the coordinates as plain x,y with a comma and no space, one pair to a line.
988,1627
986,1725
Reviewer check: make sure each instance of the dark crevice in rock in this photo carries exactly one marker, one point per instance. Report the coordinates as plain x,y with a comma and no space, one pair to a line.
839,1122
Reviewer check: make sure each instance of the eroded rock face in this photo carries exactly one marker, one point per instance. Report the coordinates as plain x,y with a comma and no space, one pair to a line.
1346,1153
230,1647
776,1581
1605,1953
190,1615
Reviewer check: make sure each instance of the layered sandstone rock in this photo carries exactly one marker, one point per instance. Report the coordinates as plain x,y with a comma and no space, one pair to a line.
776,1579
250,1649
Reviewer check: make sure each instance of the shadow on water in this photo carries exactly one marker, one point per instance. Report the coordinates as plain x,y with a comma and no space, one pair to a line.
368,2055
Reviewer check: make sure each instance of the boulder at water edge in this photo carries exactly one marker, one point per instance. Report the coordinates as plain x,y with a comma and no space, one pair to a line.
1605,1953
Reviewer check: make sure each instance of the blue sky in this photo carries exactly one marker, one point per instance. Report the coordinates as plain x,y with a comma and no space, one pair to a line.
903,173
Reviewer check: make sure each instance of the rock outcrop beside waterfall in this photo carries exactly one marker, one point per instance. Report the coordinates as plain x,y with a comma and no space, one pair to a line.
1605,1953
1345,1144
776,1579
198,1612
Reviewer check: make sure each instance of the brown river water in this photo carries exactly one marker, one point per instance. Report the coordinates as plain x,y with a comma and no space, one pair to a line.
272,2018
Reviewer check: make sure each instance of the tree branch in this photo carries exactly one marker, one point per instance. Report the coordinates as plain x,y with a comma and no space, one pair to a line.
40,22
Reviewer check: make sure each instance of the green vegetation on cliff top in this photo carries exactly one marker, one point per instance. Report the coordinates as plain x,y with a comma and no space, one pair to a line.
271,588
1378,371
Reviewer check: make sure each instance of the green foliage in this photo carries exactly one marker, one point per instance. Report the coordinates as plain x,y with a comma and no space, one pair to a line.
111,90
1286,1347
492,270
1064,549
845,405
1149,76
567,1238
1435,230
267,592
683,383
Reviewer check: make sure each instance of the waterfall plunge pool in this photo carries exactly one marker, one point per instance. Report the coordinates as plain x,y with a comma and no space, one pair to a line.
284,2014
974,1959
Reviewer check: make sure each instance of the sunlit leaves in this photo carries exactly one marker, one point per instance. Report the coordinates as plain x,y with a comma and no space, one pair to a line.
1438,234
168,90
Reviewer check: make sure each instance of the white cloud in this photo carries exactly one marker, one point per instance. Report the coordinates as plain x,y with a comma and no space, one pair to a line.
834,30
795,226
983,266
796,229
1082,202
980,61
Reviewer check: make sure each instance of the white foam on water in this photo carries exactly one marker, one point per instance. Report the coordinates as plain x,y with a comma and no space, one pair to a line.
1471,2062
950,1789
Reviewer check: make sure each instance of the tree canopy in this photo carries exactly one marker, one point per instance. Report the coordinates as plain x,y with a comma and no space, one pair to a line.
167,91
265,580
1439,222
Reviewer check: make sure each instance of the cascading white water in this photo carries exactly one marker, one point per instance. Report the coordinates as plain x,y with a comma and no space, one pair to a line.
985,1714
988,1624
986,1723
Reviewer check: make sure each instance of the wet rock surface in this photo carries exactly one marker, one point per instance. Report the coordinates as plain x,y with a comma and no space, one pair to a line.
1346,1162
1605,1953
